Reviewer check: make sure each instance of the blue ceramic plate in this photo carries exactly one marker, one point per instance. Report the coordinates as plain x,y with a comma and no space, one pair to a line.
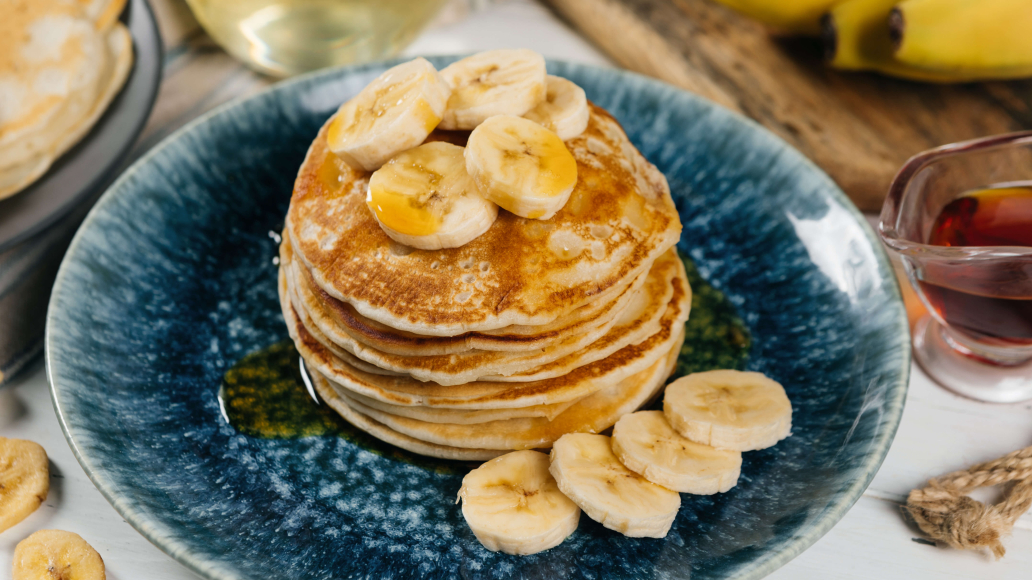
171,281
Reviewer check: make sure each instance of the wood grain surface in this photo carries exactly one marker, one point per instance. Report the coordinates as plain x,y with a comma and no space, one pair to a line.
859,127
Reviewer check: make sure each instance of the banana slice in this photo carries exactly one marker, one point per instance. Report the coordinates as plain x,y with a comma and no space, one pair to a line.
392,114
646,444
729,409
24,480
513,504
590,474
425,199
496,82
56,554
564,110
521,166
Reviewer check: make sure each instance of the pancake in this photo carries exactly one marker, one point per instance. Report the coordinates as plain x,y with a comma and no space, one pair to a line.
579,383
590,319
619,219
591,414
334,317
103,13
640,320
51,63
459,416
58,74
381,432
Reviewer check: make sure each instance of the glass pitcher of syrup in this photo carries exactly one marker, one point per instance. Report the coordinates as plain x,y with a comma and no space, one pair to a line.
960,217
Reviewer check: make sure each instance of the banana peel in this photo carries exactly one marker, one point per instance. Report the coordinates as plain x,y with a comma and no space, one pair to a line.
857,36
935,41
796,17
972,38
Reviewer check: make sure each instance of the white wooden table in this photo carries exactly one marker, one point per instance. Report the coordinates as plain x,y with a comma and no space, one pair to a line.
940,431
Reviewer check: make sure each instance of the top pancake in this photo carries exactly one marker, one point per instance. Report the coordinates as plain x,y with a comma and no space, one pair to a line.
619,219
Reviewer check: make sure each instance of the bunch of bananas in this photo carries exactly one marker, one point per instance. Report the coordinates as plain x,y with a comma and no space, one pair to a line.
926,40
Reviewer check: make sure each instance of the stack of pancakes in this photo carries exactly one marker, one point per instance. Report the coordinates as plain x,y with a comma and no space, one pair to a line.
61,64
535,329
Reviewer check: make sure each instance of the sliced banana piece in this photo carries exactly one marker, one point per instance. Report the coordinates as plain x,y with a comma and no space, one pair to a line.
564,110
513,504
392,114
521,166
646,444
56,554
729,409
496,82
425,199
590,474
24,480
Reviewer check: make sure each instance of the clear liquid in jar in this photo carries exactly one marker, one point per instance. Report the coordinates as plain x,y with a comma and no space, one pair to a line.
285,37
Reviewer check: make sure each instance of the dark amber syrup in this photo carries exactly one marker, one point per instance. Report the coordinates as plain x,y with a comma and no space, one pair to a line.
265,395
1000,216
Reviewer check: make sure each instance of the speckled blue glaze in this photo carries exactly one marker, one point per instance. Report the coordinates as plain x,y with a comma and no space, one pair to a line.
171,280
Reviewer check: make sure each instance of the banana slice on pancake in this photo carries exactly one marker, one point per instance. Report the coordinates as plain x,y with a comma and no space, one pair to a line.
588,472
56,554
646,444
728,409
521,166
392,114
564,110
24,480
513,505
495,82
424,198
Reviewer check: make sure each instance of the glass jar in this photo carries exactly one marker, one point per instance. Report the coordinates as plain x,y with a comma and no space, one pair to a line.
977,338
287,37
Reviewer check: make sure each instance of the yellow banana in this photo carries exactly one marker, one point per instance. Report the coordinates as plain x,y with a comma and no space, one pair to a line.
986,37
857,37
798,16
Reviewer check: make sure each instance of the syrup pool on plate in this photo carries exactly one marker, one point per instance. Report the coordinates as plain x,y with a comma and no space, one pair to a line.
986,301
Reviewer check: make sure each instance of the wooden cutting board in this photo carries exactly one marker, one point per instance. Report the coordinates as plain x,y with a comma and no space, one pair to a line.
859,127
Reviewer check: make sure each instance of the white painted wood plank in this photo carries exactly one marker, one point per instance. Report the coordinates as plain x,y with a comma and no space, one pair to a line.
175,21
74,504
516,24
943,432
873,542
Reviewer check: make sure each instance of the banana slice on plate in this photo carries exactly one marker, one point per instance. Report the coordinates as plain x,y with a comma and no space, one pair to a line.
496,82
521,166
54,554
646,444
564,110
513,504
590,474
392,114
425,199
729,409
24,480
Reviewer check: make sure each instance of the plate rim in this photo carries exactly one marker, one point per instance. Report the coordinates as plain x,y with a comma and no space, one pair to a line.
835,511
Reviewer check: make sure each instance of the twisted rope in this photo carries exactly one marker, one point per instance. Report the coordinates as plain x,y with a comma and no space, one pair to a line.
943,510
